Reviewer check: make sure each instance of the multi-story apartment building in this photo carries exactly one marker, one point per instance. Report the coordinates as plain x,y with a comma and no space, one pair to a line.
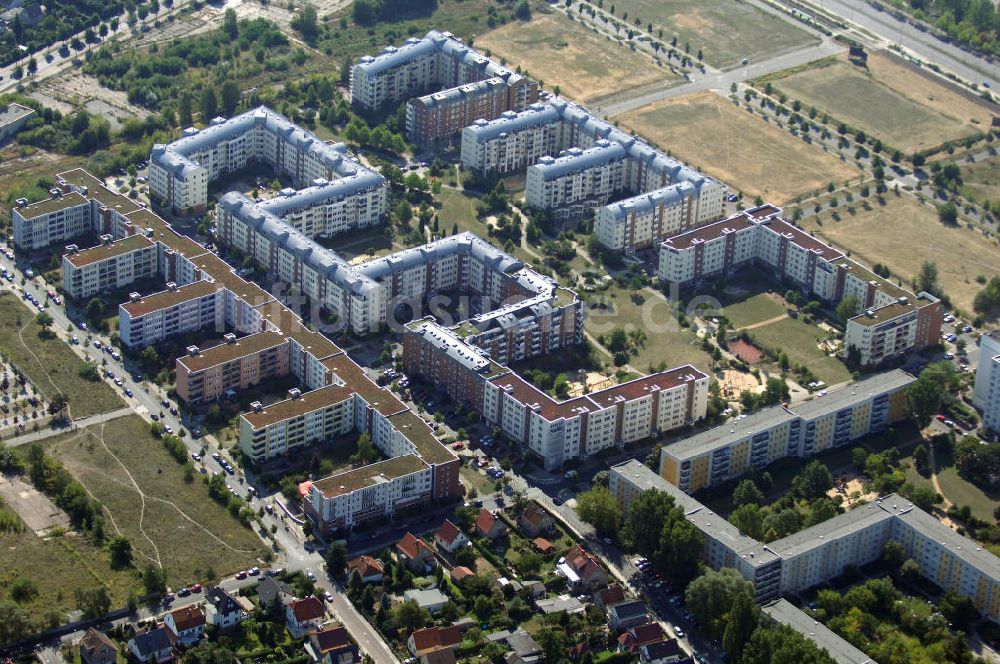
645,220
108,266
144,321
817,554
234,365
892,321
803,430
60,218
437,61
986,396
784,612
517,140
577,182
179,173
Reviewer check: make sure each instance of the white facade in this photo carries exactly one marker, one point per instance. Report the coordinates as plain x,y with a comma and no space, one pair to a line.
986,396
47,222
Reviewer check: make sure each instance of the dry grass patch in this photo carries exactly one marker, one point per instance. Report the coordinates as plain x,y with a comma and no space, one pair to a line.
727,142
903,233
585,65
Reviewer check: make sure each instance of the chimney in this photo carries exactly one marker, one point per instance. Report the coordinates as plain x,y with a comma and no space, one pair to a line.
193,350
295,393
134,297
229,337
257,406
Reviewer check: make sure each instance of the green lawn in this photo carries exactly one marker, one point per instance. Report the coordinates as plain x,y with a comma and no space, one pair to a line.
956,489
49,363
798,340
172,522
752,310
724,30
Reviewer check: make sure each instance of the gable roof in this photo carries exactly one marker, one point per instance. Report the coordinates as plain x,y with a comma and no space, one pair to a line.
434,638
309,608
533,514
365,566
486,520
411,546
582,562
222,601
331,637
270,588
661,649
188,617
460,572
611,595
93,640
629,609
447,532
153,641
647,633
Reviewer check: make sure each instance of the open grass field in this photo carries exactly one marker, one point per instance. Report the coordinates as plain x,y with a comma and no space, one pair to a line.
584,64
459,209
666,342
142,489
49,363
799,341
899,234
750,155
956,489
753,310
725,30
58,565
902,107
981,181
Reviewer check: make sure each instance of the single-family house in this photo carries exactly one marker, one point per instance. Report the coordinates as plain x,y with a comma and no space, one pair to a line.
489,525
582,570
666,651
607,596
97,648
534,521
415,553
331,644
303,616
433,599
156,645
629,613
560,604
460,572
424,642
187,624
369,569
223,611
636,637
273,593
543,546
523,648
450,538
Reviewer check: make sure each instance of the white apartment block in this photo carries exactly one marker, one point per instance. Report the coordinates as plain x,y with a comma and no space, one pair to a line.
986,396
513,141
57,219
179,173
145,321
647,219
287,427
815,555
108,266
578,181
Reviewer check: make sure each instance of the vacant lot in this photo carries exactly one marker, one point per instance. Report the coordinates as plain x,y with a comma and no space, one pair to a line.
903,233
169,522
725,30
49,363
901,106
752,156
585,65
982,180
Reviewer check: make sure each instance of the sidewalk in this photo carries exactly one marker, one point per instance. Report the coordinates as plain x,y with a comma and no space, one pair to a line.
41,434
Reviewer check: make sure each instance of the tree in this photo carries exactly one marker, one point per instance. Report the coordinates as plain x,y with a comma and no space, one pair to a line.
681,547
647,515
749,520
95,310
710,597
58,403
740,623
230,97
120,549
920,458
820,511
747,492
522,10
410,616
93,602
184,110
230,26
780,644
149,359
927,280
600,509
209,105
306,23
366,452
336,559
44,320
154,579
15,622
848,307
924,396
948,214
814,481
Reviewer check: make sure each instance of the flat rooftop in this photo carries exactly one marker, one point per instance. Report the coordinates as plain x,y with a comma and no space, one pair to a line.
146,220
798,236
96,190
887,381
307,403
370,475
732,430
227,352
292,327
840,650
842,525
14,112
102,252
419,433
50,205
710,232
222,272
883,314
169,298
647,385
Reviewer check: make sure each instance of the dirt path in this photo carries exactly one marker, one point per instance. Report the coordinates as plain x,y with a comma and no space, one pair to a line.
764,323
69,412
934,478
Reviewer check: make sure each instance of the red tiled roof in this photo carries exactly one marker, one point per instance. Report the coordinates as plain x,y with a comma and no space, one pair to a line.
411,545
447,532
612,594
461,572
647,633
433,638
542,544
331,638
582,562
533,514
309,608
188,617
365,566
485,521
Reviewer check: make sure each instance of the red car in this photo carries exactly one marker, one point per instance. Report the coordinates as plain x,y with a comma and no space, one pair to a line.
940,418
241,575
196,588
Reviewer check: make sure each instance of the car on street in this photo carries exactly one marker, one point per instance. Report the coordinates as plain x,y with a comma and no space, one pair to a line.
129,393
310,575
679,632
196,588
241,575
253,571
167,428
196,456
166,403
183,592
328,596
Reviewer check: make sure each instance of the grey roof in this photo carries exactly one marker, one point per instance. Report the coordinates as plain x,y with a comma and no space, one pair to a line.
724,434
434,41
270,590
459,93
840,650
468,356
648,202
426,597
535,115
629,608
153,641
559,604
222,601
14,112
392,57
576,160
522,643
839,526
361,179
844,397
